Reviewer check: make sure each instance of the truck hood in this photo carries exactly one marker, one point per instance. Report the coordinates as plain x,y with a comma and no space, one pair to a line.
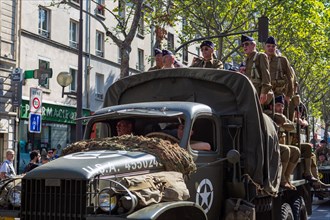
85,165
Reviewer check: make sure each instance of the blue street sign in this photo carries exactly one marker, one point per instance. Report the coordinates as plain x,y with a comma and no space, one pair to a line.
35,123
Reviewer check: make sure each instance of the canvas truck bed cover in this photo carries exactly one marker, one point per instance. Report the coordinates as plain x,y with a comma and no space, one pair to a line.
227,92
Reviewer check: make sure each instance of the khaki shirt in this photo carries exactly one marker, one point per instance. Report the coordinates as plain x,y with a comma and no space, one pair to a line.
282,79
155,68
263,84
213,63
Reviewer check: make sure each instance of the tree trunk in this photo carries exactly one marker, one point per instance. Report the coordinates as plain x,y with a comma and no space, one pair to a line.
326,129
124,66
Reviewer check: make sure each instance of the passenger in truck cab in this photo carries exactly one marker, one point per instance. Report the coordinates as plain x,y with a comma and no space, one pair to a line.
195,145
125,126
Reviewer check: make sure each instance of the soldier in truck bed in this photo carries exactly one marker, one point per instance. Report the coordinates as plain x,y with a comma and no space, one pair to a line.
289,154
257,68
158,59
306,149
208,60
282,78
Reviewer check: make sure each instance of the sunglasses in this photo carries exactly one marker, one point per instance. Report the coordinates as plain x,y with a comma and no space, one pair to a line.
245,44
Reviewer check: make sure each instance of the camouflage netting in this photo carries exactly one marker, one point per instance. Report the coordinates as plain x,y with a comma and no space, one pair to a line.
172,156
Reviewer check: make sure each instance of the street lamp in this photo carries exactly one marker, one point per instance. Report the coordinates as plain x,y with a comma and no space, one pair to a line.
64,79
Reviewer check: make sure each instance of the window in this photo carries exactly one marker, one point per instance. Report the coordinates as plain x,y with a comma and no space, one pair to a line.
198,51
100,7
73,39
75,1
43,80
99,81
44,22
170,41
99,44
141,26
73,86
141,60
185,54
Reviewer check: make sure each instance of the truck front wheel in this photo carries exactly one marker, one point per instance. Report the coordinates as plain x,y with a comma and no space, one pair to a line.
286,212
299,209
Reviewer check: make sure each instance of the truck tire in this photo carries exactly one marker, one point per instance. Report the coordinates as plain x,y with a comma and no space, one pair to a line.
286,212
299,209
263,204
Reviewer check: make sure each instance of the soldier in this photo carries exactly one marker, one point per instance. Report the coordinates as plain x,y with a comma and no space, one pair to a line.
208,60
306,149
168,59
289,154
257,68
282,78
159,60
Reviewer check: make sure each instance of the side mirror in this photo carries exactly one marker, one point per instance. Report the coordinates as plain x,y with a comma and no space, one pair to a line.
233,156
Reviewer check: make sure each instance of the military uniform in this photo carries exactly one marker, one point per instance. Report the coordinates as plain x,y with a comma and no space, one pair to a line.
213,63
257,70
281,76
154,68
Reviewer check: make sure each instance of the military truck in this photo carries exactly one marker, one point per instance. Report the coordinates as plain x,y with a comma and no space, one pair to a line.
238,177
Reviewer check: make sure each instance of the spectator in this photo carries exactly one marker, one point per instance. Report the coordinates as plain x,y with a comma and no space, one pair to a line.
7,169
34,160
322,150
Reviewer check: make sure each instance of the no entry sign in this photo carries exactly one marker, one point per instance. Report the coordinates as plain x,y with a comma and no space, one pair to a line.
35,100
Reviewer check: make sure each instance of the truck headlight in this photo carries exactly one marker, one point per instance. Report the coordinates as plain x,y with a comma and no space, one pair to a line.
15,196
107,200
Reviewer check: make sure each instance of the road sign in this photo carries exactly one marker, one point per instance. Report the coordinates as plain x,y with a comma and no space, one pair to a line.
16,75
34,123
35,100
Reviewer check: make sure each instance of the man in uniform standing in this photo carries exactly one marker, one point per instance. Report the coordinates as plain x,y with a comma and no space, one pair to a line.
168,59
282,78
159,60
257,68
208,60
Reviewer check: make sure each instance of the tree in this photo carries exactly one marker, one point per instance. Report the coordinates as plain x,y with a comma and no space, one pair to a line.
123,32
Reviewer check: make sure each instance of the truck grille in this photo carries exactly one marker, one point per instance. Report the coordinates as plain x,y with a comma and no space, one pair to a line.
53,199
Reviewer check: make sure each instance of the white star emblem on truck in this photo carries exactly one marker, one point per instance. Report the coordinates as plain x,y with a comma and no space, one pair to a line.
204,194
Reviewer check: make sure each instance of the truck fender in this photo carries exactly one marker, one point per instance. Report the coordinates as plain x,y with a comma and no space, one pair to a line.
179,210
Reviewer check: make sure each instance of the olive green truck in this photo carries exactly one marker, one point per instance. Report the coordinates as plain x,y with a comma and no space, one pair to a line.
237,178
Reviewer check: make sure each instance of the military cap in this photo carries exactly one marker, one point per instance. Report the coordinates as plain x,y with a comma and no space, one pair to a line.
279,99
207,43
246,38
157,51
166,52
271,40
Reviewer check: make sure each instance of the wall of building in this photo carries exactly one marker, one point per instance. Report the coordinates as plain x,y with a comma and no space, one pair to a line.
8,20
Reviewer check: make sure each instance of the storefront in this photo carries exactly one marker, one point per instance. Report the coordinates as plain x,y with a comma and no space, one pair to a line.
58,129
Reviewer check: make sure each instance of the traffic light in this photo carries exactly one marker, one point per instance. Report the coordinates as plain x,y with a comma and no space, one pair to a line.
263,28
